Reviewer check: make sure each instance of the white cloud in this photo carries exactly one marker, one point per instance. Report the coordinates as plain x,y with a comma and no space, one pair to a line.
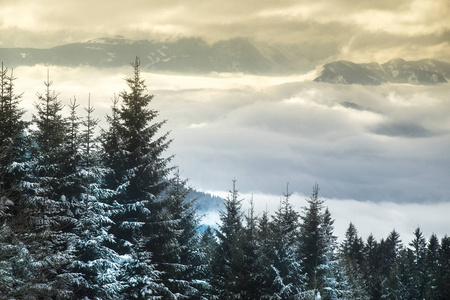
267,131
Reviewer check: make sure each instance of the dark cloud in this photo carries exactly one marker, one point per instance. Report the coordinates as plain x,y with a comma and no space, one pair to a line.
403,130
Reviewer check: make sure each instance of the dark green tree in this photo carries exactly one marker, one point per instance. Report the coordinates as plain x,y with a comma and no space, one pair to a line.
264,256
250,278
97,264
228,258
444,268
391,252
312,244
43,204
418,265
352,257
177,257
134,151
13,144
432,266
371,268
207,249
287,275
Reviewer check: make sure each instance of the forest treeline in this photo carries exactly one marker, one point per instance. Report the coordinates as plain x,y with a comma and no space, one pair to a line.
106,216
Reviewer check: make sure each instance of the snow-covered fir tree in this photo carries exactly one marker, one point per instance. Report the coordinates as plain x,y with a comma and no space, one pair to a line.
287,274
134,151
97,264
351,255
177,258
48,220
316,245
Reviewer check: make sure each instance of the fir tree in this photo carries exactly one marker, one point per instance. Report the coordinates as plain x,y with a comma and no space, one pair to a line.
14,255
227,262
391,249
250,278
264,256
287,279
133,150
49,222
352,258
418,271
336,281
98,264
444,268
13,144
312,241
177,258
371,268
207,249
432,265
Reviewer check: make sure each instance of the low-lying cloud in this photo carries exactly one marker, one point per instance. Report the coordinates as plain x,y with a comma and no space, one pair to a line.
368,143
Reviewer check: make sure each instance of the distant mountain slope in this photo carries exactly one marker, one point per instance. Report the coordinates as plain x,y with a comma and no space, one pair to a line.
192,55
205,202
422,72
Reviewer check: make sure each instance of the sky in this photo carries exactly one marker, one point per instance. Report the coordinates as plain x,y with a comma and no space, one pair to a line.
363,30
379,153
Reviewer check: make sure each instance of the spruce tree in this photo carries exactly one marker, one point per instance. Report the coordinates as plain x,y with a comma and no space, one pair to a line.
313,245
12,129
47,243
352,258
134,151
418,268
207,249
336,281
391,250
98,264
177,257
264,256
371,268
432,266
13,144
287,274
14,228
444,268
227,262
250,278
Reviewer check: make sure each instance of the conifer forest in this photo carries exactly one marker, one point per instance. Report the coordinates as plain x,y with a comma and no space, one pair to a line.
103,214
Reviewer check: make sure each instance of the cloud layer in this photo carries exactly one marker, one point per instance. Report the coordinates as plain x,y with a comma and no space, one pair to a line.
363,31
379,153
376,143
391,149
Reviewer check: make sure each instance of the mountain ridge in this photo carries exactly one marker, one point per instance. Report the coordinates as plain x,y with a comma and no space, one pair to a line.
186,55
398,70
238,55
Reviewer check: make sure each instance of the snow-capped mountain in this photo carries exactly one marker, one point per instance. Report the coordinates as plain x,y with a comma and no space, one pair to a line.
426,71
192,55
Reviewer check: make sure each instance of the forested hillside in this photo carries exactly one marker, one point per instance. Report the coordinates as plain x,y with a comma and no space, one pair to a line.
107,216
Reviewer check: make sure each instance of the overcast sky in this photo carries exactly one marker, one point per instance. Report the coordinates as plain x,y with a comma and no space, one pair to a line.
363,30
370,148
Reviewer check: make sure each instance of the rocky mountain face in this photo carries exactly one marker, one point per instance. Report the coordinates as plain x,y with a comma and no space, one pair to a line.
191,55
422,72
